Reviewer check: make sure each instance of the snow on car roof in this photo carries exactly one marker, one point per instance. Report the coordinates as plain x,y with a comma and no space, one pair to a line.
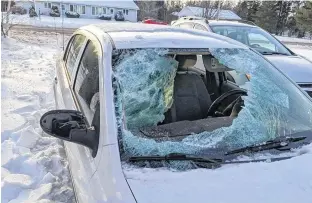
229,22
139,35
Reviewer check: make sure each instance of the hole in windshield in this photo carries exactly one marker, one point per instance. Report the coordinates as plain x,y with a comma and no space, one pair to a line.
161,103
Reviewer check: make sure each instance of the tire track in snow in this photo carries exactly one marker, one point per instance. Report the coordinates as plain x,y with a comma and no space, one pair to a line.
34,166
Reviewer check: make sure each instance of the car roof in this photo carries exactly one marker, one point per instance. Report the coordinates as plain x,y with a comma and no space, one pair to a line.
230,23
140,35
201,20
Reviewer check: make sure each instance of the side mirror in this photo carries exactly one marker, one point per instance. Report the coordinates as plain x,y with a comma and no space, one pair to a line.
70,125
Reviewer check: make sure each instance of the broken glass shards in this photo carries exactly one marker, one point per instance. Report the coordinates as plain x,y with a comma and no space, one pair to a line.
146,80
144,92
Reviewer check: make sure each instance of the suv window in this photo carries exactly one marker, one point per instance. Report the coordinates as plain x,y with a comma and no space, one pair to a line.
231,32
200,27
186,25
254,37
258,40
87,81
73,51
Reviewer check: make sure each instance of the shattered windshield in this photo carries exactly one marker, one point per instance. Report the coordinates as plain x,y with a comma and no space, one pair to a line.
157,96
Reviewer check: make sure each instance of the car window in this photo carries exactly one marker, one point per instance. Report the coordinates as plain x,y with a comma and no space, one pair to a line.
258,40
187,25
200,27
73,51
232,33
254,37
87,80
222,30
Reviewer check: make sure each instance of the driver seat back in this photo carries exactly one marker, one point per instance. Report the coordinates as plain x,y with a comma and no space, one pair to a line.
191,99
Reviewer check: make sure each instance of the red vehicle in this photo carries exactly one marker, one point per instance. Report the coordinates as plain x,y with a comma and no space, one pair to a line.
153,21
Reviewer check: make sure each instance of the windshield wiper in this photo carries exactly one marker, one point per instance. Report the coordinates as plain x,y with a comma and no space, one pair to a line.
176,157
200,161
271,144
272,53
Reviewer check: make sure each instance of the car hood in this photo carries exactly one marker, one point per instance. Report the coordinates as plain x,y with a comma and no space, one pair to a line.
296,67
251,182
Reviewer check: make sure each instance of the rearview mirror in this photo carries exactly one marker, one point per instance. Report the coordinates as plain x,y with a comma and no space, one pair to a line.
70,125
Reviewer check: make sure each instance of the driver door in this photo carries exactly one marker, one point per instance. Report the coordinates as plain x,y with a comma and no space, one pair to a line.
77,88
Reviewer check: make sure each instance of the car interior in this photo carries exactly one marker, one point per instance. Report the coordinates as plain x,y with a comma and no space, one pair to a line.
201,101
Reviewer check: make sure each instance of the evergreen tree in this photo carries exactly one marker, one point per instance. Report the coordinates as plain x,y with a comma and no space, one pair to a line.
175,6
291,26
242,9
266,16
150,9
303,17
283,10
247,10
291,23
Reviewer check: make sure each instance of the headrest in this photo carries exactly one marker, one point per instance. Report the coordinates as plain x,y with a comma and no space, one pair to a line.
186,61
232,35
212,64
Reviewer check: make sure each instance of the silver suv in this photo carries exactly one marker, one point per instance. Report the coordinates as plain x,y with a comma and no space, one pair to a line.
296,67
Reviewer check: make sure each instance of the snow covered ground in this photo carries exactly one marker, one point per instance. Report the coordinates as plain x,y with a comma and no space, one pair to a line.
48,21
33,165
305,51
294,40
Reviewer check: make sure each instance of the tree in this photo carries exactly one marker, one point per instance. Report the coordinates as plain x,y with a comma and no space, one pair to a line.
247,9
291,26
8,21
266,17
241,9
192,3
303,17
6,5
150,9
283,11
210,8
170,7
161,9
5,18
291,23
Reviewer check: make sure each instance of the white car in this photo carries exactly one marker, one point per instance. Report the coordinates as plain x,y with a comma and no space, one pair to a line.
133,96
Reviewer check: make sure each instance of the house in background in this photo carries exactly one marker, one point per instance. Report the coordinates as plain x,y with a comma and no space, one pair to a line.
86,9
207,12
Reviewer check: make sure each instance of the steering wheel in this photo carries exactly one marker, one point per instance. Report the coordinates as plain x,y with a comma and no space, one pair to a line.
214,106
255,45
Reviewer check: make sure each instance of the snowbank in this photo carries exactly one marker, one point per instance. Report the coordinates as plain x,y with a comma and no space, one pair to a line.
305,51
33,164
293,40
